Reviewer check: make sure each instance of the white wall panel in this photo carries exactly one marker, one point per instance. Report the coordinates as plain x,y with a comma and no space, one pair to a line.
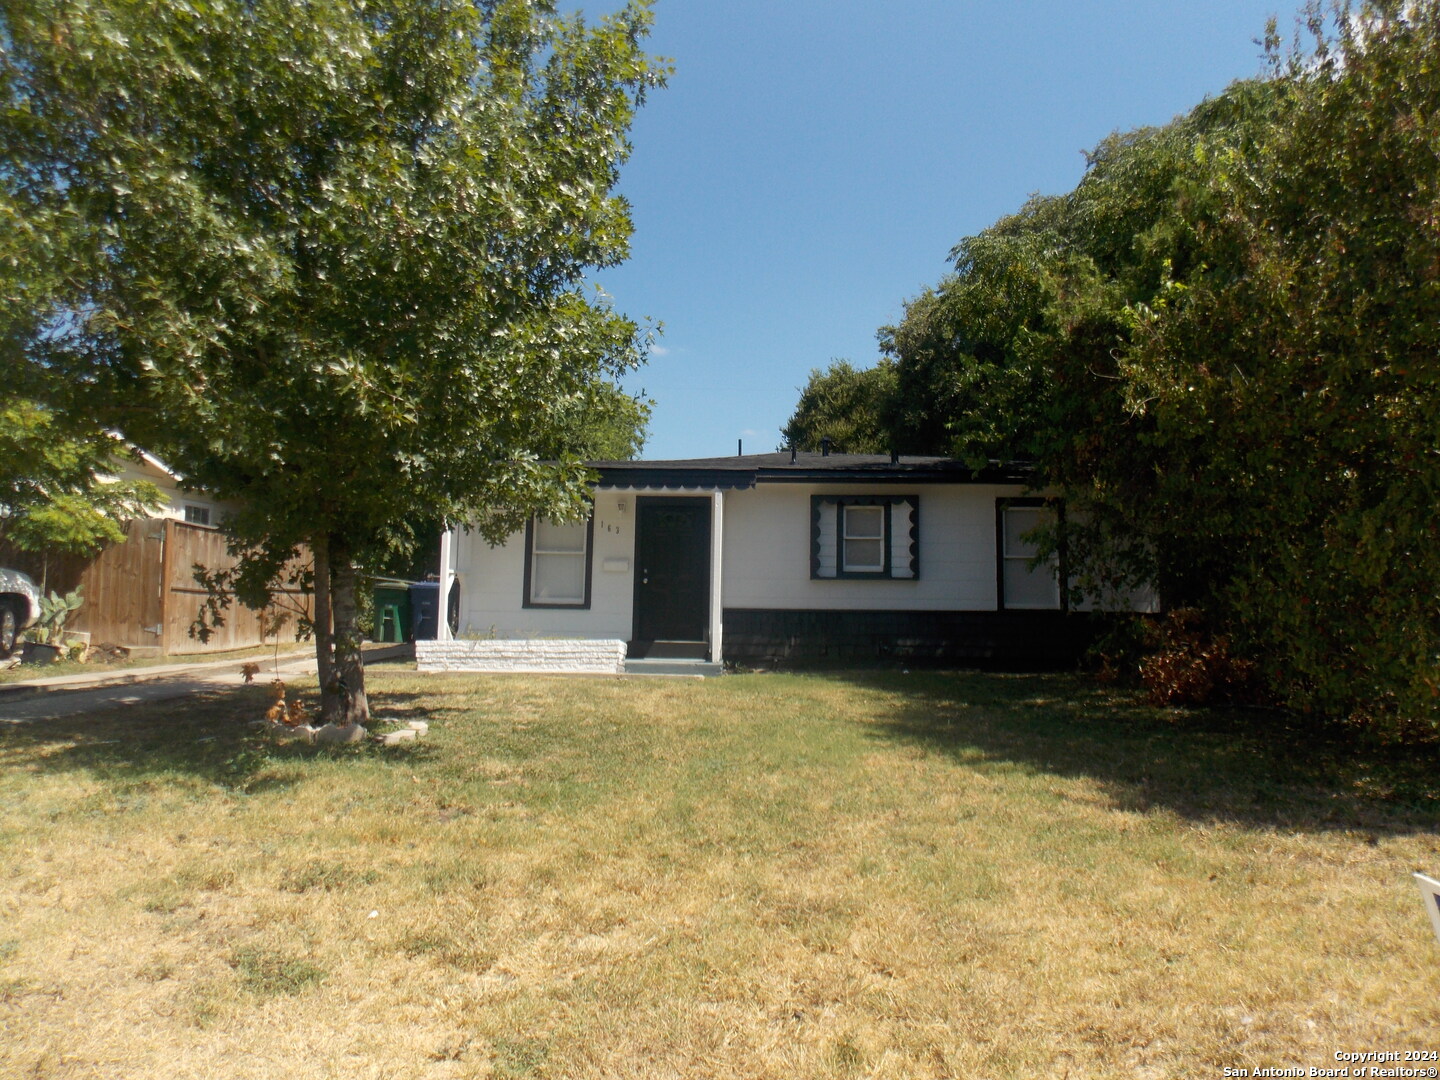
765,561
492,583
767,550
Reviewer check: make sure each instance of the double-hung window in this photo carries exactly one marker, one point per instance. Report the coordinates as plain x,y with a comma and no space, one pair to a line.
1024,583
865,536
862,539
557,563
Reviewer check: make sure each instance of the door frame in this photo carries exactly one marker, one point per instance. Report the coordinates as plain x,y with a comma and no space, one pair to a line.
637,646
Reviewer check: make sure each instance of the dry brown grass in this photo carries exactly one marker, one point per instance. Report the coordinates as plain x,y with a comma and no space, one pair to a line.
759,876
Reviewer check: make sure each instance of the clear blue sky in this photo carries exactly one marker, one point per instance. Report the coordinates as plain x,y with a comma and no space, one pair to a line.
812,163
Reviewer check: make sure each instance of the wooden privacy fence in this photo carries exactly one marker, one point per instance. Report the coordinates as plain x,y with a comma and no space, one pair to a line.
141,593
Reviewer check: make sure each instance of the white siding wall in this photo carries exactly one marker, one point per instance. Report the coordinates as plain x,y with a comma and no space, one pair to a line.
767,550
765,562
492,583
175,499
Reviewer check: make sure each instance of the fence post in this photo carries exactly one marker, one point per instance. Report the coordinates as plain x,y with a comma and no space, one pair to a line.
167,548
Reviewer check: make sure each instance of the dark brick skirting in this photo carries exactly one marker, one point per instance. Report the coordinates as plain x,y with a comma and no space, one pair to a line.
1012,640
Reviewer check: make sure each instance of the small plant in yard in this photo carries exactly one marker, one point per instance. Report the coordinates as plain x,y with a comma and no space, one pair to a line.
292,720
55,612
1188,665
290,714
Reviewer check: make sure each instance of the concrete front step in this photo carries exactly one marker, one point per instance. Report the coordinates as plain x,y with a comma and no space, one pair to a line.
662,666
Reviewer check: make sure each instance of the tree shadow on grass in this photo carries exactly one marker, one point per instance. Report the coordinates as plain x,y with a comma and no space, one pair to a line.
1256,768
207,736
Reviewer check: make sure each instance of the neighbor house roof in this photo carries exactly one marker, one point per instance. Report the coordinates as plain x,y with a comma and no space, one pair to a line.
745,471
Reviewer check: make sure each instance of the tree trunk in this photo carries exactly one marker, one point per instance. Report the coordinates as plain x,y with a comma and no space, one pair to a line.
324,628
342,695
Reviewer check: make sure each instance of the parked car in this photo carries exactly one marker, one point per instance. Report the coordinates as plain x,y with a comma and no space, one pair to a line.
19,607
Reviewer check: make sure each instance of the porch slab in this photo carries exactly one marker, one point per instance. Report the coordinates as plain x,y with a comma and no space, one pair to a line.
669,666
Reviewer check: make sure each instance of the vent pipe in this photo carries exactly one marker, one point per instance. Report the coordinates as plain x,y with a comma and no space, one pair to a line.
894,456
825,446
739,447
792,453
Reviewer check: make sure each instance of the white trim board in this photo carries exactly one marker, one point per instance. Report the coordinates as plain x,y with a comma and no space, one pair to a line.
1430,890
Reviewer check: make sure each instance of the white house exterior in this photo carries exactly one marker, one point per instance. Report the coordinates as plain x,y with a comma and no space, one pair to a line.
194,507
797,556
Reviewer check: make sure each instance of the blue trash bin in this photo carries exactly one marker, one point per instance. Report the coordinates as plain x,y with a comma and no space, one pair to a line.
424,610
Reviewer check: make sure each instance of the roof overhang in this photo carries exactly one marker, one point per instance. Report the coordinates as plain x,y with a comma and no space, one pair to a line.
741,473
620,478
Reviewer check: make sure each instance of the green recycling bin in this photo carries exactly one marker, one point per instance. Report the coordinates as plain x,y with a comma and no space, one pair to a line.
392,611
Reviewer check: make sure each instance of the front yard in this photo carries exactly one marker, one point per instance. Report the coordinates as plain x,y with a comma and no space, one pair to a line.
885,875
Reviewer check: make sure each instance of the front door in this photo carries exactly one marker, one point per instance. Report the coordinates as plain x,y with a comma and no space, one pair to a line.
672,577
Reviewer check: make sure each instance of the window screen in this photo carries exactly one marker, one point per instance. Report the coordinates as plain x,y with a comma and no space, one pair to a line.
864,539
1023,585
559,564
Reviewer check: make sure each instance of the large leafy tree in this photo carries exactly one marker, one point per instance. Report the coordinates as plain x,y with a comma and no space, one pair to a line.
844,406
1293,377
1027,350
1221,347
327,259
606,424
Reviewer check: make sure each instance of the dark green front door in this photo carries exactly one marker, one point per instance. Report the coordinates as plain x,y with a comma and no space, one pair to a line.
672,577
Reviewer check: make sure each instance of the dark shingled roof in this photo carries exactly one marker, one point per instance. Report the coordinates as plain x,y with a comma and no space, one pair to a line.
749,469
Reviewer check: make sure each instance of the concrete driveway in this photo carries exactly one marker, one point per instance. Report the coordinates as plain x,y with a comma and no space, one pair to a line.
50,699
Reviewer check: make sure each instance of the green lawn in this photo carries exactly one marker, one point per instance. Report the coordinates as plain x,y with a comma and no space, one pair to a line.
870,875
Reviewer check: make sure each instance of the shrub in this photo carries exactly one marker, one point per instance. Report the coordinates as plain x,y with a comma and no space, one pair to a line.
1188,665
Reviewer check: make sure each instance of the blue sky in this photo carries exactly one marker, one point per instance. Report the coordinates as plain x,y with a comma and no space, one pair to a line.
812,163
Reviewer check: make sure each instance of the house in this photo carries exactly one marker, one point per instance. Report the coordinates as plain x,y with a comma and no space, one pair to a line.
181,504
760,557
141,593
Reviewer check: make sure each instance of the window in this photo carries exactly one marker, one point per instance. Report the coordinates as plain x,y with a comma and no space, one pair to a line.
197,515
862,547
865,536
557,563
1022,584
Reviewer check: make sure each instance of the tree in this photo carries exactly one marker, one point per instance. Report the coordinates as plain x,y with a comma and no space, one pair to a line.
56,490
326,259
1293,377
605,424
967,371
1221,349
842,404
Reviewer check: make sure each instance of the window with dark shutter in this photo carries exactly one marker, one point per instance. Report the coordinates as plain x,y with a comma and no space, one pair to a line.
865,537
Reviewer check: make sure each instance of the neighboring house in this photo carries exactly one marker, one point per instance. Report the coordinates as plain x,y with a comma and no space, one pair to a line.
141,593
786,555
195,508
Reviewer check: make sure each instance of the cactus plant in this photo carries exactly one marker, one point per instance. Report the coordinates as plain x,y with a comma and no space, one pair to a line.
55,612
